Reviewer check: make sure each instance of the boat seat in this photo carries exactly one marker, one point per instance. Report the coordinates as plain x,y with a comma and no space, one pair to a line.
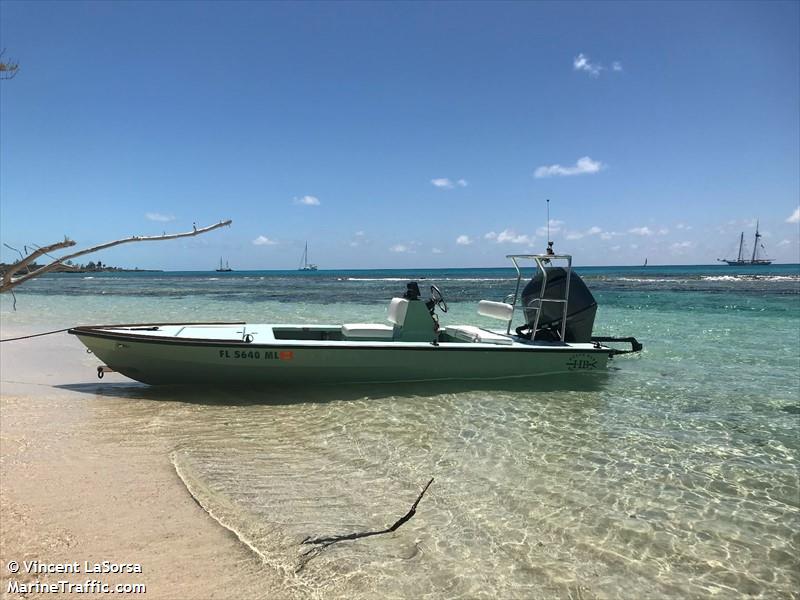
367,331
495,310
397,311
470,333
396,315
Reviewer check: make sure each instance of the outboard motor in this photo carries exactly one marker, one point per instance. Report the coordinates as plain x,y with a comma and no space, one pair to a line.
581,307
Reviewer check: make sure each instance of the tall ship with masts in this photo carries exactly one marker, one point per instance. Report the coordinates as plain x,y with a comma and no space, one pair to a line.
755,259
304,264
223,269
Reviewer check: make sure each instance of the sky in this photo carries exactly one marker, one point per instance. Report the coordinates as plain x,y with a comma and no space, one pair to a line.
401,135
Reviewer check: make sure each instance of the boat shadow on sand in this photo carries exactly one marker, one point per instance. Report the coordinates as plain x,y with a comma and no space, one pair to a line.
322,393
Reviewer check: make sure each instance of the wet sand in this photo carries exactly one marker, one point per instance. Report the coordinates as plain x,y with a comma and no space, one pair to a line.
69,493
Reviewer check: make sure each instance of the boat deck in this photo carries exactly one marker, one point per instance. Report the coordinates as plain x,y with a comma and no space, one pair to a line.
318,335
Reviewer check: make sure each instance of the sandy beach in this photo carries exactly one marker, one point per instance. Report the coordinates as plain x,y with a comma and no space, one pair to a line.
71,494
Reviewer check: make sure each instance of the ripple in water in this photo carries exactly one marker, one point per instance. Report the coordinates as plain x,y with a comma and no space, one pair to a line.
582,492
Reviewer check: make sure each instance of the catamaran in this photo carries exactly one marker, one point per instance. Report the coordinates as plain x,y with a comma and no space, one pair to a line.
754,260
304,264
547,330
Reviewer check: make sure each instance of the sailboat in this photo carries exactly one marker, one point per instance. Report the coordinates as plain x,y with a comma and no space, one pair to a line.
224,269
304,264
645,262
741,260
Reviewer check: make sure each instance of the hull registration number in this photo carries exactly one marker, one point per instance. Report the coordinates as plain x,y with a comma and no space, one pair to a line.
257,354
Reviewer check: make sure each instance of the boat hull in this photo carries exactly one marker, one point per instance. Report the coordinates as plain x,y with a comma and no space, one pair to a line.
748,263
182,361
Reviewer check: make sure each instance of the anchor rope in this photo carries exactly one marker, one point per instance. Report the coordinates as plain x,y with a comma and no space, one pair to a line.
25,337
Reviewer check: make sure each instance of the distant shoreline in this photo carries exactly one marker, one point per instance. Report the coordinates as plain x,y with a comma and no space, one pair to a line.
67,269
712,266
111,270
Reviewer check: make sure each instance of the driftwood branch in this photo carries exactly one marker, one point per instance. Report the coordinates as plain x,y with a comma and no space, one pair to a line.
9,281
323,542
8,70
25,261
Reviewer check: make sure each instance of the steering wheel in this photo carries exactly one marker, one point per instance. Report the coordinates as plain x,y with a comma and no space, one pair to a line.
438,299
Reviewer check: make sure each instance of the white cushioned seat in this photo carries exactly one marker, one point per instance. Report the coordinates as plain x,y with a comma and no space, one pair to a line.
495,310
396,315
367,330
470,333
397,311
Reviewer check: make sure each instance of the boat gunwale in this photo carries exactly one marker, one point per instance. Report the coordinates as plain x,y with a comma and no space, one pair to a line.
92,331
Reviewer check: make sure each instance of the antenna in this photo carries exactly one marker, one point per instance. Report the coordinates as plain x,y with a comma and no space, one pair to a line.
549,250
548,219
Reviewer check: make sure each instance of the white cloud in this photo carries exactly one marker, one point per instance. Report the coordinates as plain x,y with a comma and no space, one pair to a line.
154,216
683,226
784,243
463,240
795,216
509,235
448,184
640,231
681,247
400,248
263,240
583,63
663,231
555,227
583,166
576,235
307,201
436,251
359,237
607,235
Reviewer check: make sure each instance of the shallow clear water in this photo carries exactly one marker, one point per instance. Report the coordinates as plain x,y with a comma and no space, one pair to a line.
674,474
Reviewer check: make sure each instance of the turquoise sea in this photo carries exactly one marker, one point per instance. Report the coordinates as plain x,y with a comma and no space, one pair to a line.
675,474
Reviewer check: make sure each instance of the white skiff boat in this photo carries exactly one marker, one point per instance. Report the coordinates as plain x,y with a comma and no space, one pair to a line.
555,310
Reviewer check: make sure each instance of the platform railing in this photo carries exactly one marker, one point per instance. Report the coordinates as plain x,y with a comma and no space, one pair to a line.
541,260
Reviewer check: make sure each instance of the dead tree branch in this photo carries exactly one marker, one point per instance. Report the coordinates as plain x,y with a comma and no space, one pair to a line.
24,262
9,282
8,70
324,542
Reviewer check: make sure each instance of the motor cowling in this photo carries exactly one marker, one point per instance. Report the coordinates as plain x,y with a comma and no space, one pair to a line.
581,307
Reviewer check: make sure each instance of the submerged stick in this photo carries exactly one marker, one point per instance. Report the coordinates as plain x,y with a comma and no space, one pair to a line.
324,542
